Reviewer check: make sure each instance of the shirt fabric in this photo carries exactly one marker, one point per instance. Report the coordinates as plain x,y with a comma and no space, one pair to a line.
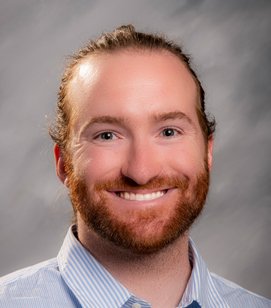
76,279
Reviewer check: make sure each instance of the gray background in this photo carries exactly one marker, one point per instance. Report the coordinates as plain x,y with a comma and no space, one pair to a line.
231,47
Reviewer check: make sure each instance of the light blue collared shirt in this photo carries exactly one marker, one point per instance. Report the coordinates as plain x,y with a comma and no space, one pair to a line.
76,279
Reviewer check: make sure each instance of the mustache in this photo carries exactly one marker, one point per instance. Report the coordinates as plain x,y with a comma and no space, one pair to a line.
124,183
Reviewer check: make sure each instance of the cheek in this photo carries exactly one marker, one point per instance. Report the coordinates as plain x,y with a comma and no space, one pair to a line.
94,163
189,158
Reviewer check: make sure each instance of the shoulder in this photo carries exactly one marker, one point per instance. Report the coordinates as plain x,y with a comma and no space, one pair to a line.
27,274
32,286
236,296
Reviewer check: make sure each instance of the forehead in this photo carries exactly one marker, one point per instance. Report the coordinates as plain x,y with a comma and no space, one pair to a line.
131,76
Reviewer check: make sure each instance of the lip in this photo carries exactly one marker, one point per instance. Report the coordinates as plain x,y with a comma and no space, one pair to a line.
150,202
140,191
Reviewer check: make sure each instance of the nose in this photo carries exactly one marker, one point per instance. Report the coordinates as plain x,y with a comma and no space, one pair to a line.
142,163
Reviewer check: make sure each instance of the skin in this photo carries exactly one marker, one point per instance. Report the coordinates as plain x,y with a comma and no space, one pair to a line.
151,93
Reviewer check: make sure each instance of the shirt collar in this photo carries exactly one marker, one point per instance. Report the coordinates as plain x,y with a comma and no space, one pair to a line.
94,286
90,282
200,286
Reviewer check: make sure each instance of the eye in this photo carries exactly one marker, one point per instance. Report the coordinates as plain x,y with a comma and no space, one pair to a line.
105,136
170,132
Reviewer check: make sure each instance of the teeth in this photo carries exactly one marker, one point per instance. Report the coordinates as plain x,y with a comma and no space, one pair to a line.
141,197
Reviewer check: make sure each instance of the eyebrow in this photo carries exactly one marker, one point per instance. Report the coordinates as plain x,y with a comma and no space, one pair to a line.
104,120
172,116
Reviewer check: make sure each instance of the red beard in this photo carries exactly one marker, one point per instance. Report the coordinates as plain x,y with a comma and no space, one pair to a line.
148,230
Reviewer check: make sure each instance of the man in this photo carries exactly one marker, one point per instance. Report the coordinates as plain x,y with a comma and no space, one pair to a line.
133,145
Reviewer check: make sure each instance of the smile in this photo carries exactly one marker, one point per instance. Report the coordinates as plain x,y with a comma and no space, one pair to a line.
140,197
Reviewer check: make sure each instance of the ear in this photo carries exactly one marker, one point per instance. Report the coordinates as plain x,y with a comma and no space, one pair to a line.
59,165
210,146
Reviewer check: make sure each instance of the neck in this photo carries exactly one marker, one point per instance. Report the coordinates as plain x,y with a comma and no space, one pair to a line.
159,278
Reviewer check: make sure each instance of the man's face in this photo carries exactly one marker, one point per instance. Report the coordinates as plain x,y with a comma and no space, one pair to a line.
139,161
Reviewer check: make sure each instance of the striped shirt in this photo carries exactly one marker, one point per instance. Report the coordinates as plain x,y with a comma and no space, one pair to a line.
76,279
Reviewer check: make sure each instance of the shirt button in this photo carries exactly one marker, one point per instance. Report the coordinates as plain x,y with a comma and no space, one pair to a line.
136,305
